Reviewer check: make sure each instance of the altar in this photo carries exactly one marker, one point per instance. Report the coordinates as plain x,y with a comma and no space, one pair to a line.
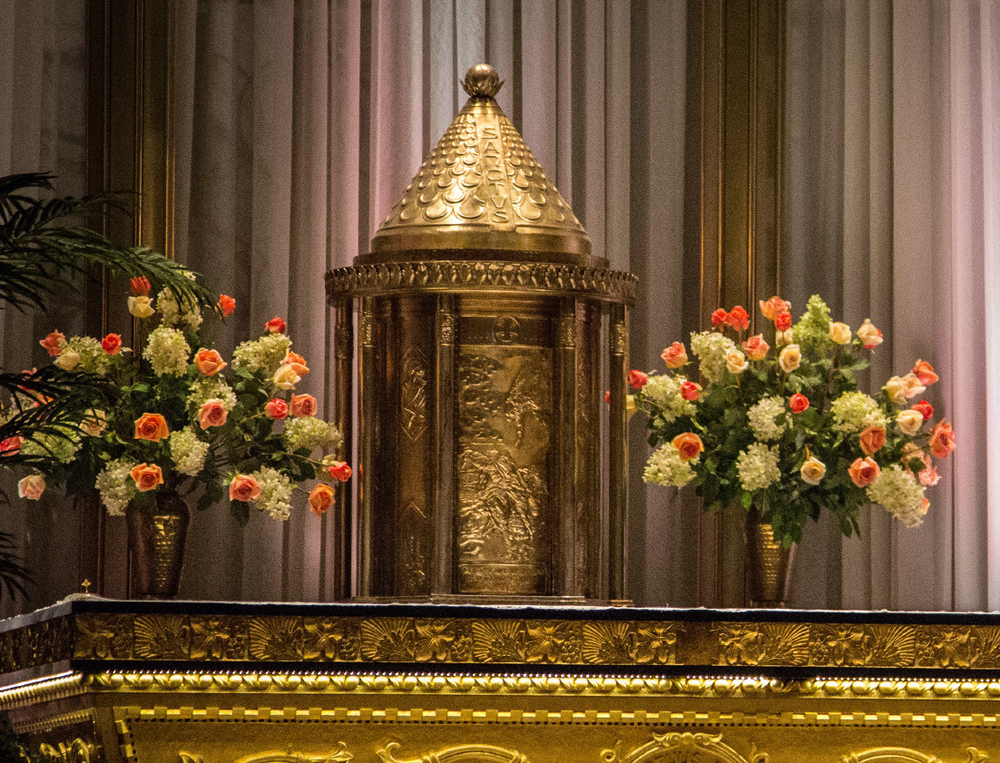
93,680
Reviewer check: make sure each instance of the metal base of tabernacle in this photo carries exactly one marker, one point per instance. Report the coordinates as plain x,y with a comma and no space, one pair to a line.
498,600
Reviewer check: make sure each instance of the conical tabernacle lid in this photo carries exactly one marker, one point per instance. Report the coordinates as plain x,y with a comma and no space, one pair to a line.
480,193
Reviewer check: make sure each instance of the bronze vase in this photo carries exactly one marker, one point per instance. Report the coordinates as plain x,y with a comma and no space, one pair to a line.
156,537
768,565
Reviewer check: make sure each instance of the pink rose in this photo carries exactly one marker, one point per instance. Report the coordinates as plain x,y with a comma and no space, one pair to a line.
773,306
863,471
276,408
243,488
690,391
31,487
212,414
303,405
756,348
53,343
675,356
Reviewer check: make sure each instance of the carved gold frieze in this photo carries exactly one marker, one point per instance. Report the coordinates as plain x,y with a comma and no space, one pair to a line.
482,276
74,751
201,638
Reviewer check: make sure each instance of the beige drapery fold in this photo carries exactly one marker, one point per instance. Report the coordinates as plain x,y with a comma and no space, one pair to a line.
892,139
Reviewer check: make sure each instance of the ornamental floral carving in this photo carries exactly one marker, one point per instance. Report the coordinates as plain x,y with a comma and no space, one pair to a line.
625,643
331,640
276,638
683,748
949,646
552,641
856,645
389,639
499,641
103,637
162,637
762,643
219,638
463,753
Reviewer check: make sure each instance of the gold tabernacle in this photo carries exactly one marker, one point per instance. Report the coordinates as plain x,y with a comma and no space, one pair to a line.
482,314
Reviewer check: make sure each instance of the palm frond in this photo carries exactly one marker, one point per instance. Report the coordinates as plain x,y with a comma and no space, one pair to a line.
42,246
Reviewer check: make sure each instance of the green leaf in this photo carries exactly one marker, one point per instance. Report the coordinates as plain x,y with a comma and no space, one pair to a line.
746,499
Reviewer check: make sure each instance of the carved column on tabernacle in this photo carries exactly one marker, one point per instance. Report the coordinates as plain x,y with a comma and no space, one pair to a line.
481,397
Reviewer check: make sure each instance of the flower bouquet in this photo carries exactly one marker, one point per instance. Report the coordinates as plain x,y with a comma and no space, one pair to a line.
176,418
784,429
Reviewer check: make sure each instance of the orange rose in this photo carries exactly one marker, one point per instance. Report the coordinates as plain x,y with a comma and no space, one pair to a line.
275,326
296,362
226,304
53,343
773,306
637,379
303,405
140,286
924,371
798,402
689,445
339,470
872,439
720,318
212,414
755,347
243,488
739,318
276,408
146,477
112,344
863,471
675,356
321,499
783,322
209,362
942,439
151,426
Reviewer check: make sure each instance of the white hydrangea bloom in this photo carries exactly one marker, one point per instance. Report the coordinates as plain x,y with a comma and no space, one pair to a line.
311,432
763,418
61,447
855,411
711,348
758,466
899,493
264,354
665,392
275,493
665,467
186,317
116,486
92,357
167,351
187,451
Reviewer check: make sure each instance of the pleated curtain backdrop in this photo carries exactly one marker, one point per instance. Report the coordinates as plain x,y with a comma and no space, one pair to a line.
296,126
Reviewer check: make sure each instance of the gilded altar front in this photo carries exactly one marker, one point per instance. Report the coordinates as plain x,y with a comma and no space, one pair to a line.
197,682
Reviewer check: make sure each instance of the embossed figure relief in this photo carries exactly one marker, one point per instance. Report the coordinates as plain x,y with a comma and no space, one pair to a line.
503,472
464,753
683,748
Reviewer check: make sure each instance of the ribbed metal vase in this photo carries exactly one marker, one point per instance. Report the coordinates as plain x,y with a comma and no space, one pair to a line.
156,539
768,565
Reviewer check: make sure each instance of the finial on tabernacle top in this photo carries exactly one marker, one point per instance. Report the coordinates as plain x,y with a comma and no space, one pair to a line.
481,81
